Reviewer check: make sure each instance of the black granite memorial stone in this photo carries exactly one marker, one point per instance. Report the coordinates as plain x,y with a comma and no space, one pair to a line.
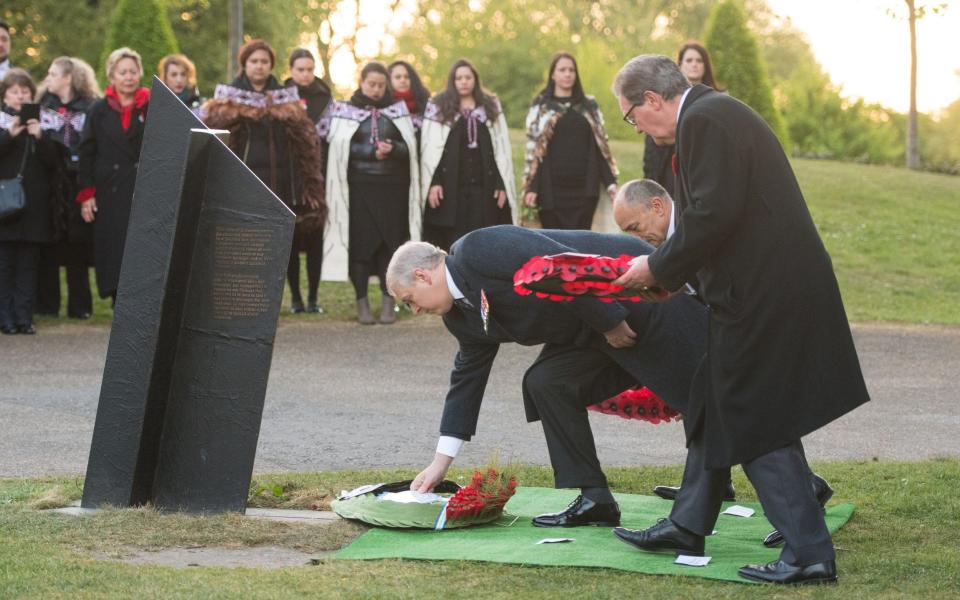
193,330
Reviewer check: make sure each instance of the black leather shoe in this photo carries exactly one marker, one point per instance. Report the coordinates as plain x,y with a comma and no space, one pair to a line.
313,307
26,329
664,536
296,306
8,330
582,511
786,574
83,316
670,493
823,492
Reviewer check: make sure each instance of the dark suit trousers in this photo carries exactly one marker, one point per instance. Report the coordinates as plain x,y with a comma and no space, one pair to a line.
562,382
782,481
18,282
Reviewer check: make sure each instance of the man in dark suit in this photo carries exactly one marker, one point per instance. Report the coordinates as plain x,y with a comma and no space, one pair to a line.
644,209
592,349
780,361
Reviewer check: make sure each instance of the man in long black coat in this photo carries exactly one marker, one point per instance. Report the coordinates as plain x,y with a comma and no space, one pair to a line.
592,349
781,361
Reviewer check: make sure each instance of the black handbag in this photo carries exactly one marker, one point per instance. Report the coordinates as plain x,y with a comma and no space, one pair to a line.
13,200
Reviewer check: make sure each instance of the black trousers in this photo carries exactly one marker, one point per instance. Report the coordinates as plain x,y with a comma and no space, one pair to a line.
782,481
570,211
563,382
76,257
18,282
312,244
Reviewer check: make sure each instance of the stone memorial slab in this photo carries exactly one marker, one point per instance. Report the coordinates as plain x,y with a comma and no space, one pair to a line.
193,330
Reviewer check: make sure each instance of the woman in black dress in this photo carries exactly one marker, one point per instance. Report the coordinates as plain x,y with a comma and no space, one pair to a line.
109,156
71,89
24,151
271,132
372,186
466,167
568,156
315,96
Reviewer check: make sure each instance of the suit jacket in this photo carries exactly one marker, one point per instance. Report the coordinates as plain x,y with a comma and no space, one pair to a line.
781,361
670,336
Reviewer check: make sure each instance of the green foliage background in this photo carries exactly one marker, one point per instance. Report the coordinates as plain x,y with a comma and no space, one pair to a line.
737,64
143,26
511,42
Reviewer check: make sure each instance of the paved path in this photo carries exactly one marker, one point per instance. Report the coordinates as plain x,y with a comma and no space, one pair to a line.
342,396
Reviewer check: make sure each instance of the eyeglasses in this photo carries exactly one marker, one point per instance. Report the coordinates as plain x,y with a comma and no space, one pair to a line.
628,116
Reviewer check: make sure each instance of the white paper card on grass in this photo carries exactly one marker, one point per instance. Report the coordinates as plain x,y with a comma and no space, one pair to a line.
739,511
554,540
692,561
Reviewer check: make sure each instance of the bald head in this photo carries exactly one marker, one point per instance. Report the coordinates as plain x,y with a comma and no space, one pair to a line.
642,208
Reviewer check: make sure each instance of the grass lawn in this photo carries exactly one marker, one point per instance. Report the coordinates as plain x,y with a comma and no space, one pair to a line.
891,233
903,540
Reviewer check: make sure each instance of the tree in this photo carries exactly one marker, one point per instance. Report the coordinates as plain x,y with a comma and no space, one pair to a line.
738,66
143,26
914,11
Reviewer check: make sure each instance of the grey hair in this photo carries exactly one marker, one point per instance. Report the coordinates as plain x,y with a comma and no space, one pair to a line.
639,192
407,258
649,72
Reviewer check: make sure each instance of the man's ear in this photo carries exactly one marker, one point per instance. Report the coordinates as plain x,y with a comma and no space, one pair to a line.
658,205
653,98
420,274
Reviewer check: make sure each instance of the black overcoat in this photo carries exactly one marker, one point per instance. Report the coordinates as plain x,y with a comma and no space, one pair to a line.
671,337
108,160
781,361
35,223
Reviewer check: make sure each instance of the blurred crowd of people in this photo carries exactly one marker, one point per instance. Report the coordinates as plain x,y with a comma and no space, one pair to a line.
363,175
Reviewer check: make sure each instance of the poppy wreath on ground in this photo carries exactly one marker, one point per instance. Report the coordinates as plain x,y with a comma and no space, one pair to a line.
484,498
637,403
481,501
563,277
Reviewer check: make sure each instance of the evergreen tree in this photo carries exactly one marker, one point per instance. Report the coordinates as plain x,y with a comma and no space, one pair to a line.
141,25
737,64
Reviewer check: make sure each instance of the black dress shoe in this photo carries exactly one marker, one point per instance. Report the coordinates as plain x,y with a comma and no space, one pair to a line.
26,329
296,307
823,492
664,536
313,307
83,316
8,330
582,511
670,493
786,574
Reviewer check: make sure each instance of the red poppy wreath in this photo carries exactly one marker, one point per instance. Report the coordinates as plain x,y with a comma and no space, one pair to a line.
563,277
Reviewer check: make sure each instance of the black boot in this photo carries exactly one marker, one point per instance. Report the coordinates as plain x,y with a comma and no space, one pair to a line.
363,312
387,316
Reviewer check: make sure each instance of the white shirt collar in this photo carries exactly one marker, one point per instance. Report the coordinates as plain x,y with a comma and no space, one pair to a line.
672,227
451,285
682,98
